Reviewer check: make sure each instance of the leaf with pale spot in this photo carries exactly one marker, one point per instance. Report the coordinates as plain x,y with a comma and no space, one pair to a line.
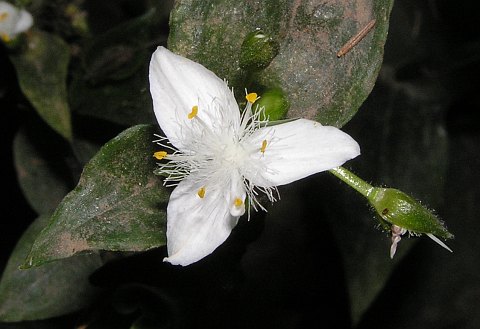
42,69
118,205
317,83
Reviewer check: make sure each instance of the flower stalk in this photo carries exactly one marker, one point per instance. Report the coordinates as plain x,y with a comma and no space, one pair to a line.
397,212
353,181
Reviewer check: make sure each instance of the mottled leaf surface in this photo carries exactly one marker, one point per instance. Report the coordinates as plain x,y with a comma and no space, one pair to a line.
119,204
48,291
318,84
42,171
42,74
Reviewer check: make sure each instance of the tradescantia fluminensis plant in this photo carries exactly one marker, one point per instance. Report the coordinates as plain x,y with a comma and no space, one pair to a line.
206,152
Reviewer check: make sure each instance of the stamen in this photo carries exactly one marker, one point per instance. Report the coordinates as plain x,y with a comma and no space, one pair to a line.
397,233
4,37
194,112
160,155
264,146
3,16
251,98
238,202
201,192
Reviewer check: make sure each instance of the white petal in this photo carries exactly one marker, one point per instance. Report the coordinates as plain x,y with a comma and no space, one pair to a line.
24,22
177,84
6,24
297,149
196,226
16,21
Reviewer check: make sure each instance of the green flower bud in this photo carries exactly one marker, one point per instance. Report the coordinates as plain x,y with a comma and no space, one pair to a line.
398,212
398,208
275,104
257,51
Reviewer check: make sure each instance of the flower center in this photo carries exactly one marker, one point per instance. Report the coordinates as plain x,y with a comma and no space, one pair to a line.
232,155
219,155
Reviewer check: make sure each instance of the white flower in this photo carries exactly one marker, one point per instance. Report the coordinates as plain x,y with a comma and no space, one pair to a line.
219,158
13,21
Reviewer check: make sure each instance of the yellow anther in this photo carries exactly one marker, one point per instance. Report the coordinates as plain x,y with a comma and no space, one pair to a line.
264,146
194,112
252,97
5,37
238,202
3,16
201,192
159,155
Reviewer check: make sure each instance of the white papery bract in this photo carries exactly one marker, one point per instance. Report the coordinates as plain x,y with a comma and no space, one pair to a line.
13,21
219,158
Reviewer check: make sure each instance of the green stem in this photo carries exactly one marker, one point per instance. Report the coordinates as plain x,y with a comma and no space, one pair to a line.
353,181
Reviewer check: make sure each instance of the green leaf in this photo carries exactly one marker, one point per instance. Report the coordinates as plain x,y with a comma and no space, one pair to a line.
48,291
125,102
118,53
42,171
318,84
119,204
42,72
115,75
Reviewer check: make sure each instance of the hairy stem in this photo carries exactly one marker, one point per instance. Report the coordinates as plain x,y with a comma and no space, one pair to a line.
353,181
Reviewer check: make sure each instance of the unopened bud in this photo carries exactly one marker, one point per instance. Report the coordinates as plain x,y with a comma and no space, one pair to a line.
274,103
401,213
398,212
398,208
257,51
